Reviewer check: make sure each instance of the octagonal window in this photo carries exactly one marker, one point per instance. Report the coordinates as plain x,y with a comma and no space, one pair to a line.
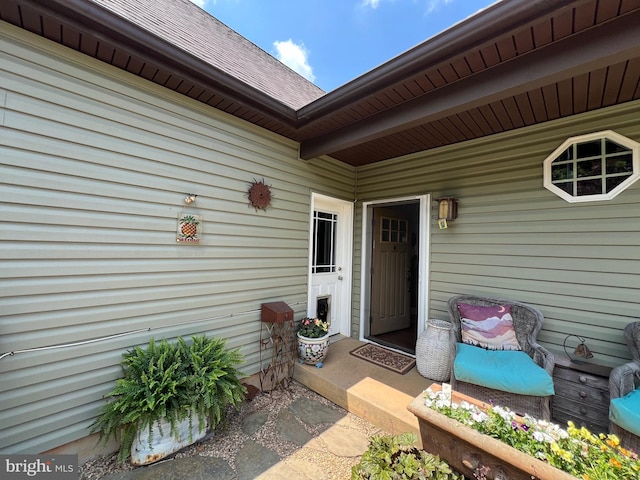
592,167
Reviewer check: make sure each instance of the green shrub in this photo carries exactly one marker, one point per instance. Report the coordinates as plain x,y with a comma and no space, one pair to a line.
395,458
171,381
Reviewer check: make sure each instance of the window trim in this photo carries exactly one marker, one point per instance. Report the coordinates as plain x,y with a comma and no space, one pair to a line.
608,134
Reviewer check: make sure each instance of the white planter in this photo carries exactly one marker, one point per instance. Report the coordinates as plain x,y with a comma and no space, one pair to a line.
163,444
433,351
312,351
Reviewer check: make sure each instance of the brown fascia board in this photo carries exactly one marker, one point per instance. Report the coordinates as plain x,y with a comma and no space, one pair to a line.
86,16
599,47
480,29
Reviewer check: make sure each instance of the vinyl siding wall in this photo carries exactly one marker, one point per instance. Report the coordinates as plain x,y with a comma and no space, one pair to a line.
579,263
94,168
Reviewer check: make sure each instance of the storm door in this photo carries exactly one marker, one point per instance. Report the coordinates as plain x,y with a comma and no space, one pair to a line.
395,253
330,262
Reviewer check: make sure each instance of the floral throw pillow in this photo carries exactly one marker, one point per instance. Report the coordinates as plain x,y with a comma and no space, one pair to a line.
489,327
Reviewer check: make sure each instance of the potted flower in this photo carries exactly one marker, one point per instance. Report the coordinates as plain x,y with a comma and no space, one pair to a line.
170,396
313,341
396,457
492,441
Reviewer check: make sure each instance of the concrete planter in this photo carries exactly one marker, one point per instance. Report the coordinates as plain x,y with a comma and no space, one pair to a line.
471,452
148,448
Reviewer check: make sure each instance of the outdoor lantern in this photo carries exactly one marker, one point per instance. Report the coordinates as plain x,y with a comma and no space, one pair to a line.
447,210
190,198
581,351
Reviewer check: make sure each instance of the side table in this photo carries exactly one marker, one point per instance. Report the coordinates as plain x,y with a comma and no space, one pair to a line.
582,394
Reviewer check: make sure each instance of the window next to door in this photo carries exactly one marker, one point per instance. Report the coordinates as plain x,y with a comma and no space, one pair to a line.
324,235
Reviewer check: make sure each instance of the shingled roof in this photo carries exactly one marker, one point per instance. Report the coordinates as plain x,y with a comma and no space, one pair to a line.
188,27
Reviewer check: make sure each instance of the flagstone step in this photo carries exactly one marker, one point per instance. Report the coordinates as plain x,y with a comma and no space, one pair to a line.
371,392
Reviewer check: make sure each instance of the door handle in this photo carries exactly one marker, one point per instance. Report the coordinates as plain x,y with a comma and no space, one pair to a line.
339,277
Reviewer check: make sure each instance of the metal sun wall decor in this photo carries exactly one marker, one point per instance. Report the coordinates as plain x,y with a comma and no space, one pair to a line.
189,229
259,195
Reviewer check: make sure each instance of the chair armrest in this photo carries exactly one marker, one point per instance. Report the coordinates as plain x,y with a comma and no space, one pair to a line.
543,358
453,350
622,379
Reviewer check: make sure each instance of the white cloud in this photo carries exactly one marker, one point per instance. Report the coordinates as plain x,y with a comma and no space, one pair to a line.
295,57
200,3
436,4
431,5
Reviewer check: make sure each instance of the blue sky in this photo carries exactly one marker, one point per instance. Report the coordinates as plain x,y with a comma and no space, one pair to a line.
331,42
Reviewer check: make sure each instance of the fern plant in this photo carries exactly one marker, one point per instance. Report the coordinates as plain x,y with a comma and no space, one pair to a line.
395,458
174,382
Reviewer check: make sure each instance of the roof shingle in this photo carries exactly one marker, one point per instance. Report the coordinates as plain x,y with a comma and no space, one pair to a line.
193,30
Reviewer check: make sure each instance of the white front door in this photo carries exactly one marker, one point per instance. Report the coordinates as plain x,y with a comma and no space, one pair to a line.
330,262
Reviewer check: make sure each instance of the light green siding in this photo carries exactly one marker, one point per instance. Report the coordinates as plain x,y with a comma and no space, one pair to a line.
94,167
579,263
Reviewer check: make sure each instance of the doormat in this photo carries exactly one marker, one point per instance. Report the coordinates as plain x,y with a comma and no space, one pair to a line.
383,357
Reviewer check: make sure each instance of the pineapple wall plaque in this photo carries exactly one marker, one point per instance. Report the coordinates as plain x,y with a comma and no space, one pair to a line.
189,228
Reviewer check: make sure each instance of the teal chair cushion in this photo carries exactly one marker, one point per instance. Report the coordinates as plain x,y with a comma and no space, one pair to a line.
505,370
625,412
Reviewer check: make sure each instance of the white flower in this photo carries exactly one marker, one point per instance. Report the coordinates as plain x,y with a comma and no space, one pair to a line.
479,416
558,432
505,413
541,455
538,436
548,438
466,405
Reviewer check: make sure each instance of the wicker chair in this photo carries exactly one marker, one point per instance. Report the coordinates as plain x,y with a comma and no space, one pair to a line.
623,380
527,322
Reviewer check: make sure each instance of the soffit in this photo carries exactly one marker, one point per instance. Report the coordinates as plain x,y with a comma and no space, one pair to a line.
177,45
517,63
575,58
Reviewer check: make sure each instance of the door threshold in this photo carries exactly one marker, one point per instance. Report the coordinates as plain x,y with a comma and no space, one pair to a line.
392,346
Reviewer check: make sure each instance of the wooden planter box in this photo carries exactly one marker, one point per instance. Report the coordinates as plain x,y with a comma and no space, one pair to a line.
469,451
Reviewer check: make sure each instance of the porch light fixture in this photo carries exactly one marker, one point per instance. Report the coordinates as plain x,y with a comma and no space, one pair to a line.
581,351
190,198
447,211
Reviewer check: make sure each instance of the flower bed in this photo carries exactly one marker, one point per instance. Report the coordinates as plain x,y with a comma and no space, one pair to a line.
492,442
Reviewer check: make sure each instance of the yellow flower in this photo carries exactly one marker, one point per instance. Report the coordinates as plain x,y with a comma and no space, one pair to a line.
613,442
566,455
615,462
